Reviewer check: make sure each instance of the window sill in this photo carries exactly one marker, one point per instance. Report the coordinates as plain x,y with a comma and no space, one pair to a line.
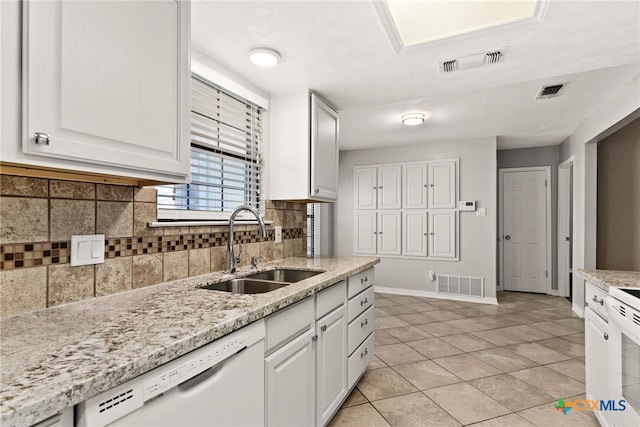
202,223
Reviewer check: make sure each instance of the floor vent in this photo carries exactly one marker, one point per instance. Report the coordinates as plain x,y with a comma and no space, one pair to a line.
552,91
461,285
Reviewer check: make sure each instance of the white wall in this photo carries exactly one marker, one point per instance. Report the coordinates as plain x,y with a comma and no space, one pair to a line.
581,144
477,234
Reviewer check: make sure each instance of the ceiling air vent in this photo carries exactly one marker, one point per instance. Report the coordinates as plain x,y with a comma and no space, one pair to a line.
550,91
473,61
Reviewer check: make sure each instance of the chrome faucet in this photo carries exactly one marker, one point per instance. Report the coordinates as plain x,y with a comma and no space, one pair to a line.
232,257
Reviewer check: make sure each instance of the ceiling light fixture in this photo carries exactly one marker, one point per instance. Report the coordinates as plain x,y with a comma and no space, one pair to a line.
412,119
264,57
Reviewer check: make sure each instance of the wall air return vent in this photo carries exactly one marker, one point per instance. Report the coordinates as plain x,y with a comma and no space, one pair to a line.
461,285
552,91
473,61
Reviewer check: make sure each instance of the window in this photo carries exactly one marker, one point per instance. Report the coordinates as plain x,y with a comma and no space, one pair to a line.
226,157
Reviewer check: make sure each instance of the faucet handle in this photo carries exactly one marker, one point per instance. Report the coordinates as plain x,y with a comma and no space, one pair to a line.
255,259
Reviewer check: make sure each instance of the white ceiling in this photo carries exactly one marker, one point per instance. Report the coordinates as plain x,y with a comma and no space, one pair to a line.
341,50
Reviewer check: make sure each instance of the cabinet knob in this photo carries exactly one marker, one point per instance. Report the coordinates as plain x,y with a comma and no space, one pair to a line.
426,234
430,185
606,336
42,138
380,187
314,338
324,328
432,233
375,188
317,190
507,237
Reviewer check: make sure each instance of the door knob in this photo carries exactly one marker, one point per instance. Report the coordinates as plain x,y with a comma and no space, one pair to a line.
507,237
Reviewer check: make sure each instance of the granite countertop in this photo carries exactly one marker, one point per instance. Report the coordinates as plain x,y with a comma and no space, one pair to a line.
58,357
607,278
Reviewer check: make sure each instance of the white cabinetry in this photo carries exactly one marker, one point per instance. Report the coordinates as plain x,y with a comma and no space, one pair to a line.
106,88
366,232
389,187
366,187
414,186
442,235
442,184
596,342
389,229
361,323
303,158
415,234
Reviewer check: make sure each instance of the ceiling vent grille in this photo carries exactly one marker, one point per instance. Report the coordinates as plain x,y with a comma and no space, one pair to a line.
473,61
551,91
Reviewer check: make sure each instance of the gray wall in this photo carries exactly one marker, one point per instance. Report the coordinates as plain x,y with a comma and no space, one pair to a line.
539,156
618,221
477,235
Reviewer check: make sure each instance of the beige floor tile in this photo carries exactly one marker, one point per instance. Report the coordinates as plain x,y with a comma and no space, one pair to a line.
466,403
416,318
554,328
440,329
426,374
574,323
398,309
577,338
397,354
550,381
403,299
511,420
358,416
382,337
389,322
564,346
422,307
548,415
355,398
538,353
466,367
434,347
468,342
511,392
383,383
522,318
384,302
527,333
412,410
469,325
408,333
499,337
504,359
376,363
573,368
379,312
442,315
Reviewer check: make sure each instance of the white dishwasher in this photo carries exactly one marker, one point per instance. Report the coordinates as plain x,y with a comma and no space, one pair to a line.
219,384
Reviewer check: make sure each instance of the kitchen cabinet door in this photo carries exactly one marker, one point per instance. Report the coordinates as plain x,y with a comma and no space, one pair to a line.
389,233
365,187
291,383
414,235
442,184
596,336
331,363
107,84
365,233
442,234
389,187
324,150
414,186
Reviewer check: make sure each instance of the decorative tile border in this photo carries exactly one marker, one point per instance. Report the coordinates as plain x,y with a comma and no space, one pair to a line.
23,255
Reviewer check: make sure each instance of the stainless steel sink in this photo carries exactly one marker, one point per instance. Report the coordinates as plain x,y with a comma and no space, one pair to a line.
245,286
284,275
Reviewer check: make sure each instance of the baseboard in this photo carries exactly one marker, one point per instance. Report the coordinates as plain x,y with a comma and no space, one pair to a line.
431,294
577,310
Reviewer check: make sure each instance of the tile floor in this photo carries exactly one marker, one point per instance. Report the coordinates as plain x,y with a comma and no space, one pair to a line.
449,363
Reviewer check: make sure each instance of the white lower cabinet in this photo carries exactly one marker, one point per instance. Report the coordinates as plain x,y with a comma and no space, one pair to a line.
361,324
442,234
331,363
359,360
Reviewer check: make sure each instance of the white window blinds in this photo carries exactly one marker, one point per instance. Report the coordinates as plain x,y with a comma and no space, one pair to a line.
226,157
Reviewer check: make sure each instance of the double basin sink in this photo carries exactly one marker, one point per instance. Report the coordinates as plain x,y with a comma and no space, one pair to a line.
265,281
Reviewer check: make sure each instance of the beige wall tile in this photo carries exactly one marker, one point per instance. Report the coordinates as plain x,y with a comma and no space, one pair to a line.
299,247
176,231
23,220
115,219
72,190
144,213
120,193
199,261
288,247
145,194
200,230
69,284
266,250
176,265
249,250
278,250
71,217
147,270
115,275
23,290
23,186
219,258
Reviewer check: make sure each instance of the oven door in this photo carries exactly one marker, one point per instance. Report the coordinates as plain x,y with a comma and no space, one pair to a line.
625,364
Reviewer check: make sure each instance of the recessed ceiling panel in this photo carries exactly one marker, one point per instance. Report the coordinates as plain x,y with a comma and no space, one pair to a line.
420,22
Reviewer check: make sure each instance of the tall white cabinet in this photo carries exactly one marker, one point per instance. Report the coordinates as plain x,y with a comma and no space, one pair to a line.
407,210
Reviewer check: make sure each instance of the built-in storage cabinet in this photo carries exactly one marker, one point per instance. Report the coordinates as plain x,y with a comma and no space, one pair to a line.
303,159
95,102
411,211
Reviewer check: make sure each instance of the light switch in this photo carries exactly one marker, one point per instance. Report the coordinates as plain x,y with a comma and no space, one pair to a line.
87,249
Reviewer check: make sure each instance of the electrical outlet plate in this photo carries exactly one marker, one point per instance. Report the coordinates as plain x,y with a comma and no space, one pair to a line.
87,249
278,234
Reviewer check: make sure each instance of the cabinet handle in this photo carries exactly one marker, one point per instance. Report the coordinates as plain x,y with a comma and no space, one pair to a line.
379,232
606,336
363,302
364,353
324,328
314,338
365,323
375,188
426,234
380,187
432,233
317,190
365,280
375,232
431,185
599,301
42,138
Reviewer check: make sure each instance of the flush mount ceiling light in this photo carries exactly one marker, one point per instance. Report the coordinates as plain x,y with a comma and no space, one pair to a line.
412,119
264,57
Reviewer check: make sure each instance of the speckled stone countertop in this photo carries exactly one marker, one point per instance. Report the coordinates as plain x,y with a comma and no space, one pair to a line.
606,278
58,357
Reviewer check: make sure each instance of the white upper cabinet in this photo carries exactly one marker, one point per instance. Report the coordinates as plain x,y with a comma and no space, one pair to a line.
389,187
414,234
365,191
442,184
442,234
366,232
414,186
106,88
303,157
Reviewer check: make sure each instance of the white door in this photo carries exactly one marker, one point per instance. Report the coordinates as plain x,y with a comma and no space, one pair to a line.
365,233
524,231
331,357
389,187
324,150
414,226
442,184
389,233
442,234
414,186
290,374
365,187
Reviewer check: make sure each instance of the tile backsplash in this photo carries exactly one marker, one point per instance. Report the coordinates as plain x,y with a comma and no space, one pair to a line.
38,217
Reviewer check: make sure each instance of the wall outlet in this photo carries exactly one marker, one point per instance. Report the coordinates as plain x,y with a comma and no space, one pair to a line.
432,275
278,236
87,249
